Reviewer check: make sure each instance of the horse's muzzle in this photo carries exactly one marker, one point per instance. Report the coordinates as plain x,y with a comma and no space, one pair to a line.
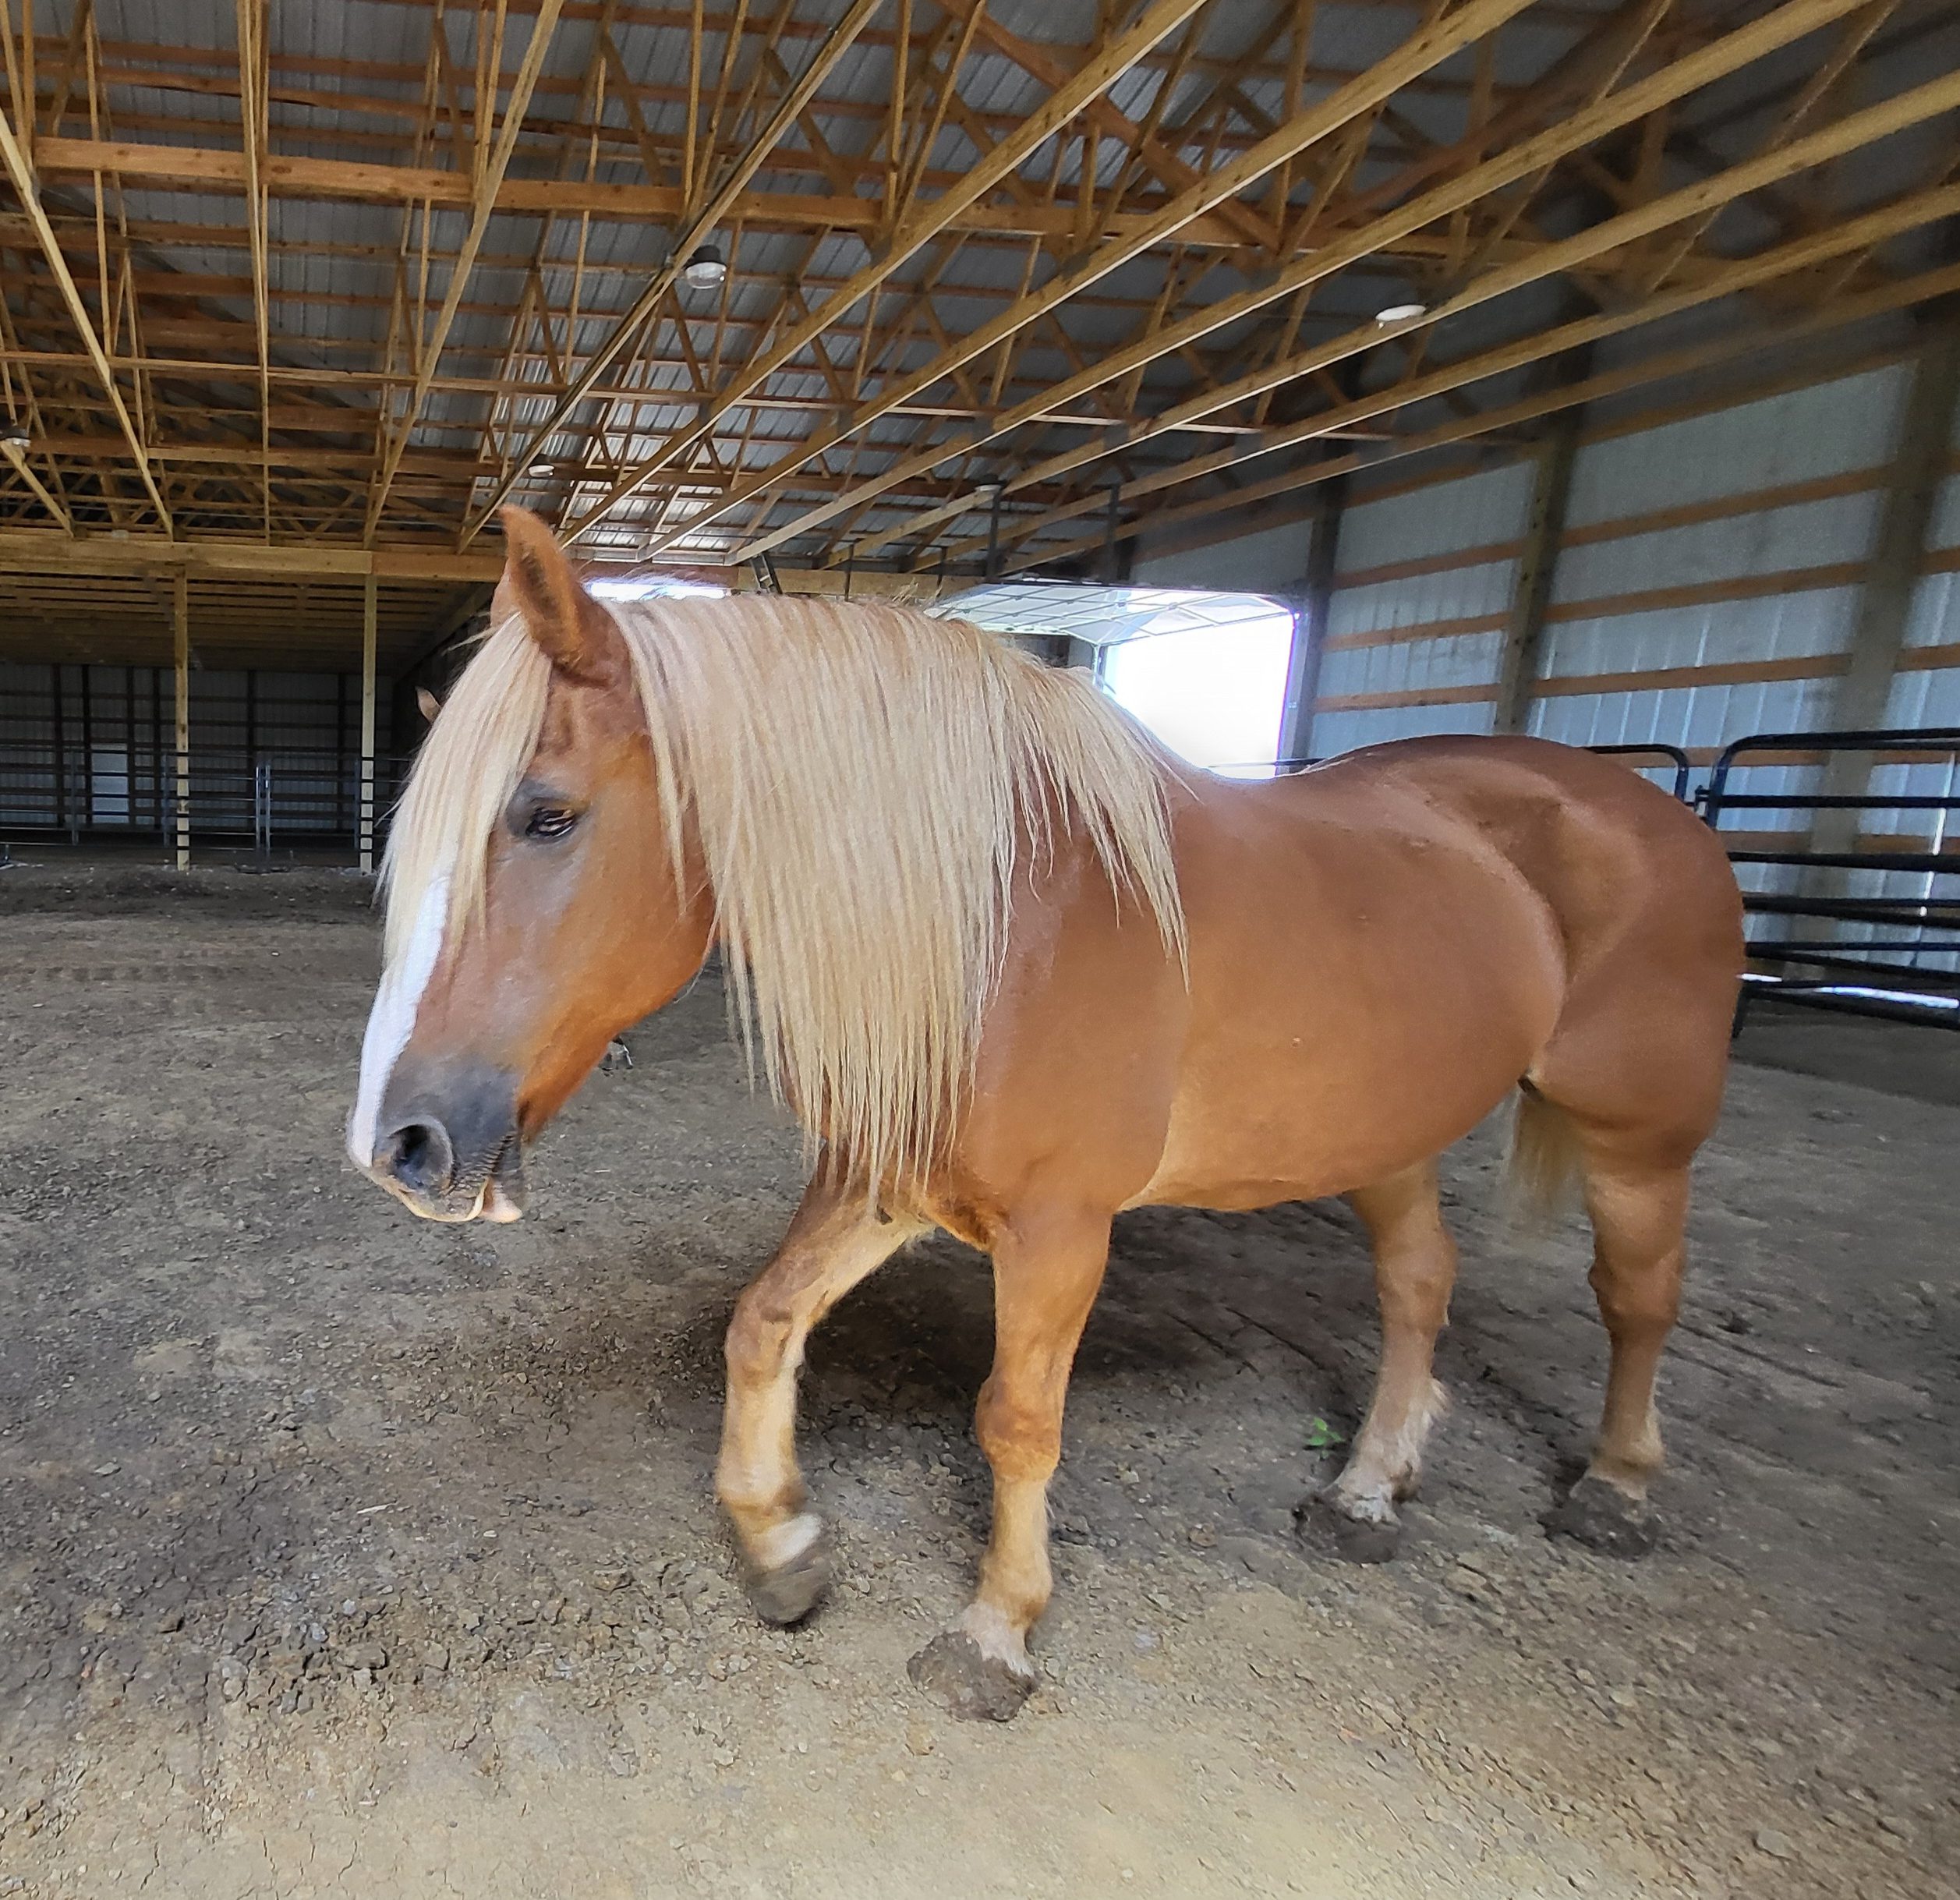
448,1148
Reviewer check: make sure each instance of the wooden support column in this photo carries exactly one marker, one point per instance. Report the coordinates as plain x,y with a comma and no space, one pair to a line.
1892,577
180,630
370,619
1309,623
1531,593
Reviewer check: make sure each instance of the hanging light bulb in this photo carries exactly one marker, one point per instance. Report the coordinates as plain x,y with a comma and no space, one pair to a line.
706,268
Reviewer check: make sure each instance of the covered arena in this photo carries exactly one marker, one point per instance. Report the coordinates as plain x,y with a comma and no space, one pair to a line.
1308,376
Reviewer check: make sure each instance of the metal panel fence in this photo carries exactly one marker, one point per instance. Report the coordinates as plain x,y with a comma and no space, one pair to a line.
88,755
1875,927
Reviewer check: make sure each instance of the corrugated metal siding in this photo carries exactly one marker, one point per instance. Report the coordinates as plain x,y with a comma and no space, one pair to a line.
1832,429
1469,512
1269,560
1443,673
1795,435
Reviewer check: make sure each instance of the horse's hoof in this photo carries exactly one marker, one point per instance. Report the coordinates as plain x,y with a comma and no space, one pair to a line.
790,1592
1604,1518
974,1687
1323,1525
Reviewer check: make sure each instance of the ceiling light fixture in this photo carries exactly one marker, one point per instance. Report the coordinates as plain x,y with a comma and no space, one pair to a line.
706,268
1400,312
541,469
16,435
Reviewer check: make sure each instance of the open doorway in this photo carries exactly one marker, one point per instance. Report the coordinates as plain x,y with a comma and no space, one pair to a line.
1206,671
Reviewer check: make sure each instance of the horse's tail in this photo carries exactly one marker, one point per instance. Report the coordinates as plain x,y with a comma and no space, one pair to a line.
1542,1171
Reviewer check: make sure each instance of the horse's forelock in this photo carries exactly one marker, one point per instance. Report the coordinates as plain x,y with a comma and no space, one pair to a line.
475,753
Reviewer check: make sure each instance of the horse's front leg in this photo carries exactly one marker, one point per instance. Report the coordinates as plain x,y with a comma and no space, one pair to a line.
835,1240
1047,1269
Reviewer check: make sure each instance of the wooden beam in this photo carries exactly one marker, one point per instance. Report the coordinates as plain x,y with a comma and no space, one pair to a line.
1830,240
1940,96
18,456
1845,311
1531,588
1792,20
720,208
483,191
1898,558
1430,44
1310,625
917,227
28,189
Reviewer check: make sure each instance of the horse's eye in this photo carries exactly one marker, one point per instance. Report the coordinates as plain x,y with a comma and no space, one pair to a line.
550,821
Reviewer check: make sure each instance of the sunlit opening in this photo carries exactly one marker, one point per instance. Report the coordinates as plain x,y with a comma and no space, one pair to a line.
1216,696
653,587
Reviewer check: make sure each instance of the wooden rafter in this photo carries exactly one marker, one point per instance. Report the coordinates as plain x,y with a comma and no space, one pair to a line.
956,254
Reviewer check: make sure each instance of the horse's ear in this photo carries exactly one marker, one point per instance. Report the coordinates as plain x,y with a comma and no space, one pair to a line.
575,631
429,704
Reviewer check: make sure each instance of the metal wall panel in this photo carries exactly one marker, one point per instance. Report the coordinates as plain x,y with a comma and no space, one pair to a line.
1455,593
1812,534
1473,511
1480,511
1269,560
1795,435
1341,730
1464,661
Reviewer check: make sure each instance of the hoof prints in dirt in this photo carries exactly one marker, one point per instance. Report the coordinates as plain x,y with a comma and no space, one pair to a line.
238,1394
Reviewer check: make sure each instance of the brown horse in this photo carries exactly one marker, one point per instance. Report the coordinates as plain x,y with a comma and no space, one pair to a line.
1015,973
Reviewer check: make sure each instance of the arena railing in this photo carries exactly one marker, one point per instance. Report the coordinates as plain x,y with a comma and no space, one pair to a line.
1873,928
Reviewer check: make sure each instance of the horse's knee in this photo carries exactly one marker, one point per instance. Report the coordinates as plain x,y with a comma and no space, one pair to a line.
1638,1303
1414,1293
1020,1433
760,1335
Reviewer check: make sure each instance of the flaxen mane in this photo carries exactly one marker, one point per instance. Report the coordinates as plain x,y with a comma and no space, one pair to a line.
864,780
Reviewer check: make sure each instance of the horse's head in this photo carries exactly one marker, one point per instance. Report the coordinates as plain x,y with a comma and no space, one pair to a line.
537,904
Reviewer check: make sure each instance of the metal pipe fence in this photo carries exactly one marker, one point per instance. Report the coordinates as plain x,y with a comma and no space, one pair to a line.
291,802
1874,928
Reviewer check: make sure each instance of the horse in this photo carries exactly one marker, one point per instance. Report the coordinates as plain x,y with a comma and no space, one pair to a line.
1014,971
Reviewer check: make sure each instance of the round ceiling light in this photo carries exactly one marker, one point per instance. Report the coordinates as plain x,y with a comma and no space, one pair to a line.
541,469
1400,312
16,435
706,268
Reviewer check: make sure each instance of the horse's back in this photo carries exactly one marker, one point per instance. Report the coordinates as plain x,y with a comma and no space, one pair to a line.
1596,839
1646,902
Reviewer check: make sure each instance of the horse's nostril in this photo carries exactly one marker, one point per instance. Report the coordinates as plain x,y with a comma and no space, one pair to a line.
420,1157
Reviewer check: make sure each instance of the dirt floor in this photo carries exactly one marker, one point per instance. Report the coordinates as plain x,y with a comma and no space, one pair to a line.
343,1554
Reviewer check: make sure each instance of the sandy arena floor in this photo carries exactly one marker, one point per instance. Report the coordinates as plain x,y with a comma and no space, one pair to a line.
344,1554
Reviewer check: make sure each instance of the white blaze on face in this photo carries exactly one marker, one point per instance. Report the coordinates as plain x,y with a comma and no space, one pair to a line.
391,1021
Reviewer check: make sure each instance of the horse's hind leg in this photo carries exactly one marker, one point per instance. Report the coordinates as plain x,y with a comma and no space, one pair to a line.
835,1240
1415,1266
1639,1206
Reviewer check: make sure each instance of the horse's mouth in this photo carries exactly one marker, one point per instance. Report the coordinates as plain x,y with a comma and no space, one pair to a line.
494,1189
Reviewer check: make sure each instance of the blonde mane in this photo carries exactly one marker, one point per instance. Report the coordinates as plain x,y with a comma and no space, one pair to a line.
864,781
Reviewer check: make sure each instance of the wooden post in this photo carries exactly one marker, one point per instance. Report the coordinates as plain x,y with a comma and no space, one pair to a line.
1531,593
1891,578
180,629
1309,623
370,622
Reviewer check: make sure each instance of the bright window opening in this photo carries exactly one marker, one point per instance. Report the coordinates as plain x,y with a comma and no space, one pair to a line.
1216,696
1206,672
